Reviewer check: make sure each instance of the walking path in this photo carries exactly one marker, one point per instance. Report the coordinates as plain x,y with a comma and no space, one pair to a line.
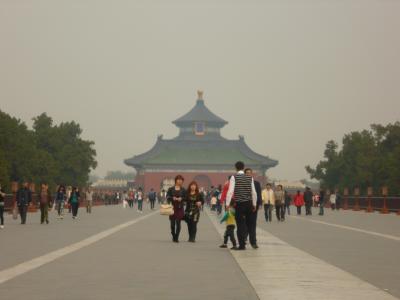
121,254
278,270
138,261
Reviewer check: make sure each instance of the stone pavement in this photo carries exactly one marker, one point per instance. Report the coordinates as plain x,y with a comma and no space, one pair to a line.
278,270
121,254
370,257
137,262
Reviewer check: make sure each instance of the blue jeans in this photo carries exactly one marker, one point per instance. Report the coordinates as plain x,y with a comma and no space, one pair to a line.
268,212
321,209
60,207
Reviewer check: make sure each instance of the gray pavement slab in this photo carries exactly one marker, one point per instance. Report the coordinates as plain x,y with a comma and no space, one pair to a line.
371,258
139,262
20,243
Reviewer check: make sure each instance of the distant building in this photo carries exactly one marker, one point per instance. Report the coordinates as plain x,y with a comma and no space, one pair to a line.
114,184
199,153
291,185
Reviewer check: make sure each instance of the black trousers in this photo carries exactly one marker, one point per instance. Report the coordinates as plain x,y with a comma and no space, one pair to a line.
23,210
298,210
230,234
1,215
44,212
74,208
244,211
253,228
192,229
280,212
268,212
152,204
175,228
308,209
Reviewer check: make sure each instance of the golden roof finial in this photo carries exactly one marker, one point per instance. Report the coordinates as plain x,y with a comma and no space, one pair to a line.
200,94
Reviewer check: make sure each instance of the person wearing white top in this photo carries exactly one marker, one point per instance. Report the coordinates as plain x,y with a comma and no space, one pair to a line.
268,197
332,199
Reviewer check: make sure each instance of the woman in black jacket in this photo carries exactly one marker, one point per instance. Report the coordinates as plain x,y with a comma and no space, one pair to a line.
194,201
74,202
176,196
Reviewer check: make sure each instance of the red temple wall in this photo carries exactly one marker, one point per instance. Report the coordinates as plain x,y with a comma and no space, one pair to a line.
154,180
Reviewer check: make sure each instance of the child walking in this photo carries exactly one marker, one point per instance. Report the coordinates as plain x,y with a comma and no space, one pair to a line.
229,219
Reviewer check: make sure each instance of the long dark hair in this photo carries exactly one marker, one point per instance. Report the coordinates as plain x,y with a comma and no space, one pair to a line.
61,188
189,190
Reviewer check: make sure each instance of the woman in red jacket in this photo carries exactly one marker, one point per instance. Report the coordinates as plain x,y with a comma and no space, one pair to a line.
298,202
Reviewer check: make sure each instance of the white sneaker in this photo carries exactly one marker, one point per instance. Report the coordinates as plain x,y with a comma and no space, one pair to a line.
1,226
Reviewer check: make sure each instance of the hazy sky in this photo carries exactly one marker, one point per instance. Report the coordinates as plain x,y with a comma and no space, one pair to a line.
288,75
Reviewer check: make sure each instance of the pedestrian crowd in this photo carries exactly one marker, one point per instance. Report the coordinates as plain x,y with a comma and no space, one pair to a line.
237,201
241,197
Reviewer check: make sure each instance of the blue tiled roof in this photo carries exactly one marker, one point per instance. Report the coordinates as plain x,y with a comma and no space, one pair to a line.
200,113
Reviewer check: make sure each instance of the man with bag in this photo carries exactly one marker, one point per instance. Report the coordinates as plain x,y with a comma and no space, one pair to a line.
24,198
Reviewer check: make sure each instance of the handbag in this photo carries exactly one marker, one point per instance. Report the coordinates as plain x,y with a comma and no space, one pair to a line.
188,216
166,210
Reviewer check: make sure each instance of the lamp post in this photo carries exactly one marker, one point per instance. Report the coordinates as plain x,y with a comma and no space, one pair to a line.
357,200
385,192
369,193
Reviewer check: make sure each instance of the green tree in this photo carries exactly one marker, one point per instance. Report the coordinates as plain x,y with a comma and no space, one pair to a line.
71,157
367,158
47,154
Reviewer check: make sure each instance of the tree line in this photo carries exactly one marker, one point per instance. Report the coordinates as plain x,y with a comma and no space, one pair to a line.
367,158
47,153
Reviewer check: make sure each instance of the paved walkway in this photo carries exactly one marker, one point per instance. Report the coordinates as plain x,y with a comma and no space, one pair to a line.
135,262
121,254
351,244
278,270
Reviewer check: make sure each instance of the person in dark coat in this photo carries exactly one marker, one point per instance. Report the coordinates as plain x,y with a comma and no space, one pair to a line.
321,202
308,200
74,202
176,196
152,198
24,198
194,201
288,201
253,223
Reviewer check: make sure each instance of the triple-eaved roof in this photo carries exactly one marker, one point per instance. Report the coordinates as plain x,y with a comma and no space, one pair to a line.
200,113
197,152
